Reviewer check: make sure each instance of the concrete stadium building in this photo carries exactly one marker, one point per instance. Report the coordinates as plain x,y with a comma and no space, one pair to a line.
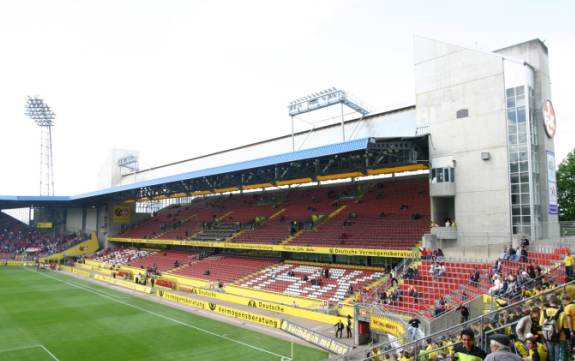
488,123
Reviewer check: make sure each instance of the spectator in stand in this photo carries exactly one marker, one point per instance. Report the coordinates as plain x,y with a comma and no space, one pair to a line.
439,307
383,297
523,255
524,325
497,285
569,260
464,311
467,351
424,253
413,329
374,354
442,270
393,277
500,346
524,243
569,325
551,322
474,278
536,350
413,293
433,270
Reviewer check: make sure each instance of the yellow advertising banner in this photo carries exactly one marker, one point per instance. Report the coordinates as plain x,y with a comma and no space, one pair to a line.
276,248
17,263
224,310
386,325
123,283
44,225
268,306
121,214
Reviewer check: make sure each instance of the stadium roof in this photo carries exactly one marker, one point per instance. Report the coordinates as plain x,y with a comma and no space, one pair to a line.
332,150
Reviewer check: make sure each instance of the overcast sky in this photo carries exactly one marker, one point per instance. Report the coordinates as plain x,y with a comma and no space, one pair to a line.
177,79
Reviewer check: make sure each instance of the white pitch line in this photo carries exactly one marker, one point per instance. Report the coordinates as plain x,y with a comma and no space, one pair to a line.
19,348
31,347
87,289
49,353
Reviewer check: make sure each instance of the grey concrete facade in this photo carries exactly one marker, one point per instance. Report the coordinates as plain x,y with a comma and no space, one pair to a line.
461,100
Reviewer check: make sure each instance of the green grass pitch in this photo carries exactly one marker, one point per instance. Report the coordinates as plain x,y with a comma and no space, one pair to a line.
47,316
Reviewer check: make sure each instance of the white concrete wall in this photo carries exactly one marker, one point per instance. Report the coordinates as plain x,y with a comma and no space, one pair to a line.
91,219
449,78
74,220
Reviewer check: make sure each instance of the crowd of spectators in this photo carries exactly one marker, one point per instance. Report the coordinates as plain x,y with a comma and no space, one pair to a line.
541,327
19,239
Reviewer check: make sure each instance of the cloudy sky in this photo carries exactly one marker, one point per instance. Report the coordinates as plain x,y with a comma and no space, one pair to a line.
178,78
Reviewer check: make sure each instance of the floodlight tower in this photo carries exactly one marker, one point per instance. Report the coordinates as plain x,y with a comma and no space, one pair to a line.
323,99
41,113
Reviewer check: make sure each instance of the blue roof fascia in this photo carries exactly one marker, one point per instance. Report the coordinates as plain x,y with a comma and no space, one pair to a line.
345,147
36,198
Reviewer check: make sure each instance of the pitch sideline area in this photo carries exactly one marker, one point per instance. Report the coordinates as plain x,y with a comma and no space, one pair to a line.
50,316
33,352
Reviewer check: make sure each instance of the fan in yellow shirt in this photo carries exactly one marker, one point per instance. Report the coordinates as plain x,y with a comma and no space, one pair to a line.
569,260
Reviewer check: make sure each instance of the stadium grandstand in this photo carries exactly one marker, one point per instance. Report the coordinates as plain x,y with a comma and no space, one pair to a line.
426,221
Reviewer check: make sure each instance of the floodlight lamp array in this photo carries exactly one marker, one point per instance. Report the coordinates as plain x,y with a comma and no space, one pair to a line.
331,92
39,111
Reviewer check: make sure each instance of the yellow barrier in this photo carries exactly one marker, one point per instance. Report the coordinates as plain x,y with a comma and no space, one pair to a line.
275,248
85,266
386,325
227,311
122,283
274,297
16,263
87,247
268,306
92,262
74,270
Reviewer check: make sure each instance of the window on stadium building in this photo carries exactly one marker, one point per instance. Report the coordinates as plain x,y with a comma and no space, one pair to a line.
442,175
520,149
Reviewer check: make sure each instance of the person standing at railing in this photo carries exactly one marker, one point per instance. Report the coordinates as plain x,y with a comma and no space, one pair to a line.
464,311
524,325
551,320
569,260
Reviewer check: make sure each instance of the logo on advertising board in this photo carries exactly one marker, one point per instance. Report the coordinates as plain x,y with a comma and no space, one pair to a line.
121,214
549,120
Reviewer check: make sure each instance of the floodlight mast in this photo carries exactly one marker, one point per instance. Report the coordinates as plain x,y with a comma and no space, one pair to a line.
323,99
41,113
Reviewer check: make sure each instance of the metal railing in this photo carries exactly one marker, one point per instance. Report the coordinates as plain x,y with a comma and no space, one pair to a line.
482,326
